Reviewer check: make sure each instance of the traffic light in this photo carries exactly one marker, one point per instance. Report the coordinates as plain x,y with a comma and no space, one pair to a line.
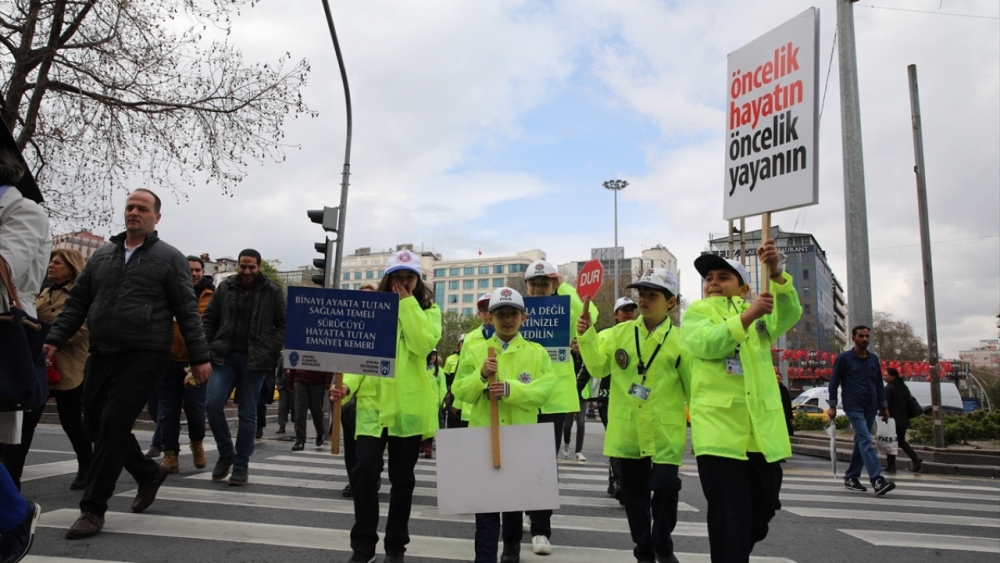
329,217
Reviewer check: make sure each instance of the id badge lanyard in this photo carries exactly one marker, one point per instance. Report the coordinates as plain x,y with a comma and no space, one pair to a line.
643,367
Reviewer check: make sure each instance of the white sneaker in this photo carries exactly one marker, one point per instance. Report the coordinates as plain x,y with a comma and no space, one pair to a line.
540,545
525,523
580,456
565,452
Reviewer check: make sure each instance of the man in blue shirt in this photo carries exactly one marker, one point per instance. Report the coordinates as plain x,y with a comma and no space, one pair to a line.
859,374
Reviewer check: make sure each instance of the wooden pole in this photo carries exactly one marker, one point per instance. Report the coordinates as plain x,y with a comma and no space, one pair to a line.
730,256
765,233
494,415
743,242
335,418
586,307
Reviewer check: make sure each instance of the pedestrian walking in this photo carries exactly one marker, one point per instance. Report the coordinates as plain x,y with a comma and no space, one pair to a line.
311,390
650,381
624,311
786,403
392,413
65,266
24,247
129,293
897,397
245,328
857,374
471,339
285,400
523,383
580,417
177,392
737,425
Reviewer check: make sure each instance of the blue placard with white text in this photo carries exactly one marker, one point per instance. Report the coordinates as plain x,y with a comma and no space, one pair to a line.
339,330
548,325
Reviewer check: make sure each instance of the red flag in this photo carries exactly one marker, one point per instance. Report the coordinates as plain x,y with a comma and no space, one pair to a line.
480,252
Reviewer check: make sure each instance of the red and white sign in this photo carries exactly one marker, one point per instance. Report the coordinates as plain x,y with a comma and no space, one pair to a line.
772,120
588,283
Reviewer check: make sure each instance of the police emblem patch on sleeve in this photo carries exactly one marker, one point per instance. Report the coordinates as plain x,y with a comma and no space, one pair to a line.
621,357
524,378
761,326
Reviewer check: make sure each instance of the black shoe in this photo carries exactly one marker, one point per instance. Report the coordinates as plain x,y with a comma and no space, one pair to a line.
665,558
619,496
393,558
280,430
298,446
85,526
82,477
147,493
358,558
611,489
16,543
917,466
260,432
319,441
348,491
153,452
854,485
891,469
222,468
883,486
239,478
511,552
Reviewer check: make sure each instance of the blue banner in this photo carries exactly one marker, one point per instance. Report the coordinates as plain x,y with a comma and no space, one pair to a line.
339,330
548,325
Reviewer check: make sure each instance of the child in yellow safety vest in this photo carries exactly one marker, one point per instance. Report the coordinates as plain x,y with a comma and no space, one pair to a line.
523,383
650,381
737,421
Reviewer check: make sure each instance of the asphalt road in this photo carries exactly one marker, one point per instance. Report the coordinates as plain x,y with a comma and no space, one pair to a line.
292,511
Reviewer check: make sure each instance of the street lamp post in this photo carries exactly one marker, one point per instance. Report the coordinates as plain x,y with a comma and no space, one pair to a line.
616,186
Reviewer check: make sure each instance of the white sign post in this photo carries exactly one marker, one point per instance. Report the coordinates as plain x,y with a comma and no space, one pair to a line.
468,482
772,121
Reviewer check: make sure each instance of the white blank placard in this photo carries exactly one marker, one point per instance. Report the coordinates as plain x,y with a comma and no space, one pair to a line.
526,480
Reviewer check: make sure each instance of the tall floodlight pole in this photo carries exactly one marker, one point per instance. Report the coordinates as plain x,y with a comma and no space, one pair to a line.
859,279
930,308
616,186
347,151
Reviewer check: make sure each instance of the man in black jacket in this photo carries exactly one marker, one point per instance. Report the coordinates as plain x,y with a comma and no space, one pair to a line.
245,327
129,293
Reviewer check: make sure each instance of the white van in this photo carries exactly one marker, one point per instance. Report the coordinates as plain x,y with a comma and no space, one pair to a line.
951,401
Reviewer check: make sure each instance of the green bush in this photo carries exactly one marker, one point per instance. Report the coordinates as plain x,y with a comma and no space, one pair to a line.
958,429
802,421
842,422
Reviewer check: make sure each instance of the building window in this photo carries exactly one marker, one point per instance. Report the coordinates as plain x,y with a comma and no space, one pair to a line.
515,268
369,275
454,271
381,273
439,272
497,282
484,270
357,286
467,298
468,284
453,310
498,269
357,275
452,298
466,311
347,275
806,309
453,284
805,274
805,289
468,271
439,293
484,284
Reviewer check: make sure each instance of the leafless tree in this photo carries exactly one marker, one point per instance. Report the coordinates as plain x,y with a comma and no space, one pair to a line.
103,95
894,339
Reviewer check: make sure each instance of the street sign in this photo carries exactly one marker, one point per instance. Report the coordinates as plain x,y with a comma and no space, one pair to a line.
548,325
772,132
588,283
337,330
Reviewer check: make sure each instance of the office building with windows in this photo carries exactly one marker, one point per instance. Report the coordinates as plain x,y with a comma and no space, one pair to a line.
85,242
458,283
823,325
631,268
366,266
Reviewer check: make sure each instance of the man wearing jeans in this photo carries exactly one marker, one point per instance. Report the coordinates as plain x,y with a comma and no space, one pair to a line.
859,373
245,328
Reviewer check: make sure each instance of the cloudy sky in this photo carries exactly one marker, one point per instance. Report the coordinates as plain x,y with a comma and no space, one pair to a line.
490,125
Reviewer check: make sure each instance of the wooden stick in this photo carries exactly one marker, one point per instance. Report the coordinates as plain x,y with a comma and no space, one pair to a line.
335,418
586,307
494,414
765,233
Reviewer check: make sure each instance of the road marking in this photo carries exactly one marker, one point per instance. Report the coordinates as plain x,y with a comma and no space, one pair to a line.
417,512
855,499
271,481
325,538
44,470
927,541
898,491
600,474
907,485
44,559
883,516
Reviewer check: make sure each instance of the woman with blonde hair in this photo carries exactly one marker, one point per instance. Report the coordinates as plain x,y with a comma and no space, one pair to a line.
65,266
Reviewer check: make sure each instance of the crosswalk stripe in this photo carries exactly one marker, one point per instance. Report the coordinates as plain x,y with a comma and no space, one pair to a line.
326,539
45,559
898,491
43,470
272,481
840,480
926,541
884,516
854,499
417,512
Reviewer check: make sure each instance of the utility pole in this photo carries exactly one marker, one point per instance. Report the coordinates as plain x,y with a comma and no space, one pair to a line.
345,176
616,186
859,281
925,252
